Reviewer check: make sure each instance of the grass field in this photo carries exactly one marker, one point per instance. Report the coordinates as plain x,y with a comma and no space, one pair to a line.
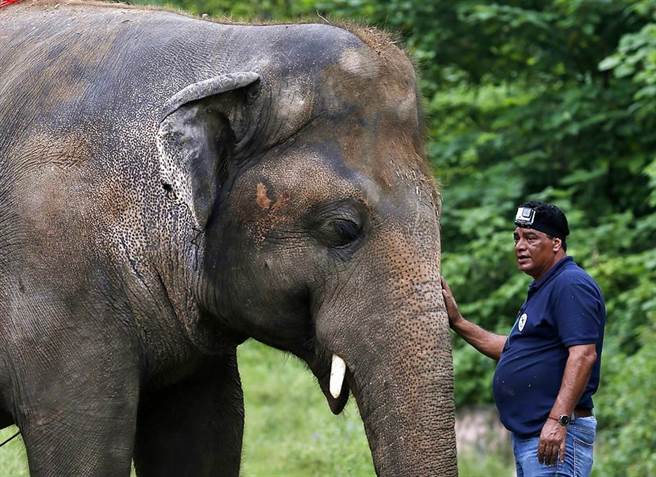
290,431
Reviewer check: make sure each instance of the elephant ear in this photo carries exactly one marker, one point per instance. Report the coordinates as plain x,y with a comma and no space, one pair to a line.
199,126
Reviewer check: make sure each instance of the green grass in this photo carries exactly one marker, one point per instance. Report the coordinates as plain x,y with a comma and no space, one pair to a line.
290,430
470,465
13,461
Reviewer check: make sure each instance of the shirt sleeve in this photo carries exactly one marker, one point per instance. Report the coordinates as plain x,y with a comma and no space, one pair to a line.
579,313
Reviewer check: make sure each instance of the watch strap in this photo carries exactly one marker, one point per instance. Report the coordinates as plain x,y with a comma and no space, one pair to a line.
562,420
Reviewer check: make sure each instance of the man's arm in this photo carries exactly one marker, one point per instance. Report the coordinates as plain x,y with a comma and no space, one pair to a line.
490,344
578,369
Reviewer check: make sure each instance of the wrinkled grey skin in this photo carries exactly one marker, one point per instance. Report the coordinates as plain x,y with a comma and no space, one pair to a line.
148,227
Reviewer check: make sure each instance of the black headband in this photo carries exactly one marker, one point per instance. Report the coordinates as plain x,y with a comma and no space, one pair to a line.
542,218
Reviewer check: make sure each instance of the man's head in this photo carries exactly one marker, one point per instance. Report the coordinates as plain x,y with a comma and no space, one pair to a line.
540,237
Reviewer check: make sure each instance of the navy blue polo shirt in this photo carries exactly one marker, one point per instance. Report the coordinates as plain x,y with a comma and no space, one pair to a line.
563,308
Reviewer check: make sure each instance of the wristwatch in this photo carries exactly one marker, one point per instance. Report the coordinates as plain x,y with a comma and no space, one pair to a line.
563,420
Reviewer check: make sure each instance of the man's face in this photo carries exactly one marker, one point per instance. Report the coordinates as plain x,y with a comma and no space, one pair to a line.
535,251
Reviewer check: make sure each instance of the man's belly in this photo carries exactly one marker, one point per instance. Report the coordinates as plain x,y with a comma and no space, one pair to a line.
525,386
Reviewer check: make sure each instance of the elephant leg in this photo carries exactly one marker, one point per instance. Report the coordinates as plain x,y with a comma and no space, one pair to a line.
94,440
193,428
77,410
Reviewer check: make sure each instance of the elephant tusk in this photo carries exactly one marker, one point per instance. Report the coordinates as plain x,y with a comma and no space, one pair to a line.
337,371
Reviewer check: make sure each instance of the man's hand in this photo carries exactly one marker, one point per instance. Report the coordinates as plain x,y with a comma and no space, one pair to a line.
489,344
552,443
451,305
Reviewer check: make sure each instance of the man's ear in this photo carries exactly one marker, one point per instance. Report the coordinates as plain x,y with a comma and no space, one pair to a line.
557,244
199,126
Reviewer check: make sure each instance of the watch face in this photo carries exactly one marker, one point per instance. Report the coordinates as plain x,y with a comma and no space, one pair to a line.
563,420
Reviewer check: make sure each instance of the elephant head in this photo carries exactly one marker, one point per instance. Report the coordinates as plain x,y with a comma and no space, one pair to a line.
316,231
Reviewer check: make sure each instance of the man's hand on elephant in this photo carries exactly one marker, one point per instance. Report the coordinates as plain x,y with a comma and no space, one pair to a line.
450,302
551,447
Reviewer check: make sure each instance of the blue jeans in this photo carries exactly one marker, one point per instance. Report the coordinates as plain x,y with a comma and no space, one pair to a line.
578,452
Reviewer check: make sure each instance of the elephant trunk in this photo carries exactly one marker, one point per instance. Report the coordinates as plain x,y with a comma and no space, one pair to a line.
400,370
405,397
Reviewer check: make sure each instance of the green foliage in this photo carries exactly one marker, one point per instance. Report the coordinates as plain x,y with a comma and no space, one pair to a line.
627,408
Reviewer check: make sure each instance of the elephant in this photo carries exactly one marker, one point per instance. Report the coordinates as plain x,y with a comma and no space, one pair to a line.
170,187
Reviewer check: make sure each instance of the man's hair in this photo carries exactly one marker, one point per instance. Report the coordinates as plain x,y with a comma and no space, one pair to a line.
546,218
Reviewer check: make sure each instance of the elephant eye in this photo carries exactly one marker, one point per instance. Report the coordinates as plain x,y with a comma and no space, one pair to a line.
338,233
338,226
345,232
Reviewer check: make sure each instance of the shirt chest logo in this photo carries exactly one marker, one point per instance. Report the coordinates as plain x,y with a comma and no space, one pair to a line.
522,321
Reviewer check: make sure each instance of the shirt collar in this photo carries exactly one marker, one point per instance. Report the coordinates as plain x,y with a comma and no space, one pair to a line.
552,272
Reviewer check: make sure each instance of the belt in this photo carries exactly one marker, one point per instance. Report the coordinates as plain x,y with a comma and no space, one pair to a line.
581,412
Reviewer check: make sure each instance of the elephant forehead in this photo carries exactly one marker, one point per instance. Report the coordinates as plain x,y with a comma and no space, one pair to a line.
300,179
375,80
371,98
388,157
280,191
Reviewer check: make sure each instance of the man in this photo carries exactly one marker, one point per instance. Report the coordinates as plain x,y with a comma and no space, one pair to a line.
548,366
